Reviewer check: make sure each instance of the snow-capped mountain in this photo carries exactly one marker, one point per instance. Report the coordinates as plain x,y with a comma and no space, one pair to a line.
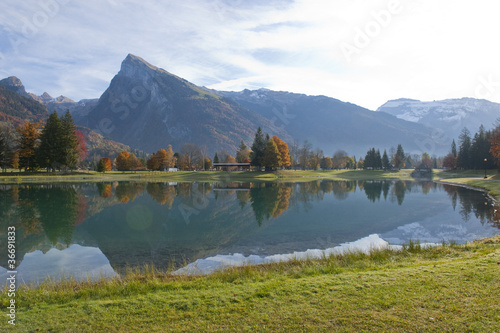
448,116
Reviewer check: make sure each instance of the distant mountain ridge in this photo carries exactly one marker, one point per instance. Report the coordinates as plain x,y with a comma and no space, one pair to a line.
331,124
449,116
147,108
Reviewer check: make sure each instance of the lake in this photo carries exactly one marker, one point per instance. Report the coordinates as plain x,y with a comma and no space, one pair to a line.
92,230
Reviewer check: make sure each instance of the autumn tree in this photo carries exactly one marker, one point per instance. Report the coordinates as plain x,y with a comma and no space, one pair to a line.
191,156
495,144
272,157
122,161
29,135
243,153
104,165
284,152
81,148
326,163
426,161
153,163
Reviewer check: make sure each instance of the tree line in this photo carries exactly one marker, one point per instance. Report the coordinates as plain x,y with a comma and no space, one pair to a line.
55,145
475,152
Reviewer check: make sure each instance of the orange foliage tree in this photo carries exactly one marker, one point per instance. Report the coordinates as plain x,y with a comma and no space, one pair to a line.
284,152
495,145
28,143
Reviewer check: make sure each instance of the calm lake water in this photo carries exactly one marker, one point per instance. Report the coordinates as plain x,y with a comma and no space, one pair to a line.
91,230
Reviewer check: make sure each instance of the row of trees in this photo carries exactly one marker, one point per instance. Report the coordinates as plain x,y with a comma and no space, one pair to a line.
271,153
55,145
373,160
477,152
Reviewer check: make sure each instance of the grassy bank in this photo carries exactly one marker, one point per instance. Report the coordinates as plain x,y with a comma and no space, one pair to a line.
288,175
449,288
473,178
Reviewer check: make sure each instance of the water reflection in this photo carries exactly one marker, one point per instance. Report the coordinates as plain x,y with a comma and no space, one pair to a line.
134,223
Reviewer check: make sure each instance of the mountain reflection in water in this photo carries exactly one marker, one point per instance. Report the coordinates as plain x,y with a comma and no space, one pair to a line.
173,224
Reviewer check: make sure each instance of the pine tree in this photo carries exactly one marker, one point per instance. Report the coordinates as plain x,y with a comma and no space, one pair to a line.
216,158
258,147
454,148
101,167
50,153
378,160
464,152
399,159
69,141
385,161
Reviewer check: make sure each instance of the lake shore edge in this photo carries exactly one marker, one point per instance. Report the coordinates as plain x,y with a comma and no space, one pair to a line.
445,288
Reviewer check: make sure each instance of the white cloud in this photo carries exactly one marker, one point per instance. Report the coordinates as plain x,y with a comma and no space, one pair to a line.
424,49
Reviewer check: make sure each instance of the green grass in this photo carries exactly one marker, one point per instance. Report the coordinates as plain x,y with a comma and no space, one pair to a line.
453,288
287,175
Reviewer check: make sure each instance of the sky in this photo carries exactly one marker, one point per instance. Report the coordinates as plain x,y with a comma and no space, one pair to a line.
363,52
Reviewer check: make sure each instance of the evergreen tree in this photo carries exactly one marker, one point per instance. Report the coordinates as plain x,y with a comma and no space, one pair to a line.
50,153
216,158
369,161
385,161
399,159
378,160
464,152
454,148
480,150
69,141
101,167
258,147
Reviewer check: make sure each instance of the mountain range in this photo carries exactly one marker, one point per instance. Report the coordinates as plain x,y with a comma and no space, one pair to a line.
448,116
147,108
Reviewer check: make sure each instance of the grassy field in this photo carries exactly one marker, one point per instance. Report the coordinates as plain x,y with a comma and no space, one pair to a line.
452,288
289,175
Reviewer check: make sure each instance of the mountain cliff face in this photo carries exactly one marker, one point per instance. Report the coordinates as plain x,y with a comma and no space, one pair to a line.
149,108
331,124
448,116
16,108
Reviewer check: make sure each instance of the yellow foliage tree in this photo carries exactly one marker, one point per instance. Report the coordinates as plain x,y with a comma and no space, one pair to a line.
284,152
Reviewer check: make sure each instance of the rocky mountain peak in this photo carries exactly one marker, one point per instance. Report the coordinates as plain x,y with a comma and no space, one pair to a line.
13,83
